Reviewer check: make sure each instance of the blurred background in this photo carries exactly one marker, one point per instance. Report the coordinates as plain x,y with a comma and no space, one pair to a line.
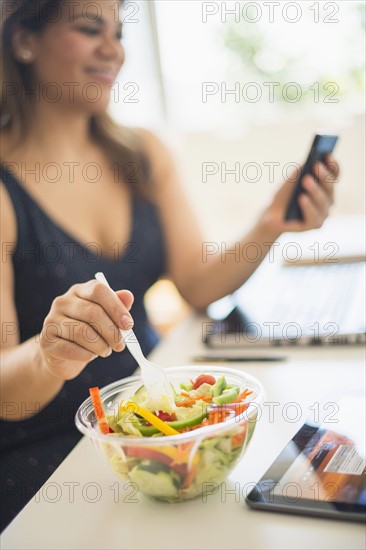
237,90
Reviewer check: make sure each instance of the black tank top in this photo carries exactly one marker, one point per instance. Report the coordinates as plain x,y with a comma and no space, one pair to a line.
47,261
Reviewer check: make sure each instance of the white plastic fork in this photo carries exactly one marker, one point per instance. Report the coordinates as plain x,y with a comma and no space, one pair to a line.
154,378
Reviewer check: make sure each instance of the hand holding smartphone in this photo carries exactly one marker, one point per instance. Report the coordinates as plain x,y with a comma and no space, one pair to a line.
322,146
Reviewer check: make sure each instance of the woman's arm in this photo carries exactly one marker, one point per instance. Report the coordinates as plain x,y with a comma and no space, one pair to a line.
202,277
26,385
33,372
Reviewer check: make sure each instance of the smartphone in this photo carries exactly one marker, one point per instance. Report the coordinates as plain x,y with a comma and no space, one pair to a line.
322,146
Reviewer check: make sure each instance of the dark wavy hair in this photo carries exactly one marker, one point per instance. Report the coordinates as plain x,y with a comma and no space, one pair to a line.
120,143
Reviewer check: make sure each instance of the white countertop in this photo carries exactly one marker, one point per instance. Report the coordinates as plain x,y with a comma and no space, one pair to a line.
84,505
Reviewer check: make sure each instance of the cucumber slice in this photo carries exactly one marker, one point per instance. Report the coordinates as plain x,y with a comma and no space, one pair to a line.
227,396
219,387
148,431
186,387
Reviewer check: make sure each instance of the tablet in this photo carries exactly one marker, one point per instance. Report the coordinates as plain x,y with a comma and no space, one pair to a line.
321,472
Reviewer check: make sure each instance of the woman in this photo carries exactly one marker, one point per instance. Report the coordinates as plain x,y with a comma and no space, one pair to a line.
81,195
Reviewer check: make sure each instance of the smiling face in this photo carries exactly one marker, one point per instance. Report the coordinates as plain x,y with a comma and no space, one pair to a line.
80,54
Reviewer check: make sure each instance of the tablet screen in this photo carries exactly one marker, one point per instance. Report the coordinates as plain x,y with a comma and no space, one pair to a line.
322,469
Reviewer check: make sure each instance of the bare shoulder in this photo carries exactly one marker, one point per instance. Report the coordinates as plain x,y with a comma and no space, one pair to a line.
8,218
8,242
160,156
149,140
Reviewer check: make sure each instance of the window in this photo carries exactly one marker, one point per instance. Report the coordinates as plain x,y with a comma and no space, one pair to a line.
137,99
228,64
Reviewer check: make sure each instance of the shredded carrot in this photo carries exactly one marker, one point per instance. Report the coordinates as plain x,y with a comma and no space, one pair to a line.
216,416
98,409
187,403
190,429
213,418
240,408
243,395
190,477
182,453
192,401
237,439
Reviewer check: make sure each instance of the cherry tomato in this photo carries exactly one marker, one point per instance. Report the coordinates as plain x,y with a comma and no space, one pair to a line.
166,417
204,379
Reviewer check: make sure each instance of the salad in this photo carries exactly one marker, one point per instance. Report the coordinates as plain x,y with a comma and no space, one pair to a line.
165,465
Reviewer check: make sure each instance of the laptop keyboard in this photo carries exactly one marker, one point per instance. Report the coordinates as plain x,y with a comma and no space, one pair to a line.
317,293
321,299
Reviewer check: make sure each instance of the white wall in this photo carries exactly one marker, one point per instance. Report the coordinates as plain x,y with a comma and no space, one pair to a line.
226,209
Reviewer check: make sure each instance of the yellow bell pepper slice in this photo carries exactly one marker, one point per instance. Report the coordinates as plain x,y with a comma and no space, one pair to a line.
149,416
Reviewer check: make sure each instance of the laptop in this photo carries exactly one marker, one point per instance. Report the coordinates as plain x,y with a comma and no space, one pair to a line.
307,304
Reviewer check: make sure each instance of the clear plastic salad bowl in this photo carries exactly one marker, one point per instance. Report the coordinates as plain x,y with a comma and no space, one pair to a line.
176,467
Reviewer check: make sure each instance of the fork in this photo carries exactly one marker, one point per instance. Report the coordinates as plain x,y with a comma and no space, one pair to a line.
154,378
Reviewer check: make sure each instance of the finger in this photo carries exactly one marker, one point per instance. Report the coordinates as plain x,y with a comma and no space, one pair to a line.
312,218
67,359
94,316
285,191
126,297
100,294
326,179
73,330
317,194
332,165
87,335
